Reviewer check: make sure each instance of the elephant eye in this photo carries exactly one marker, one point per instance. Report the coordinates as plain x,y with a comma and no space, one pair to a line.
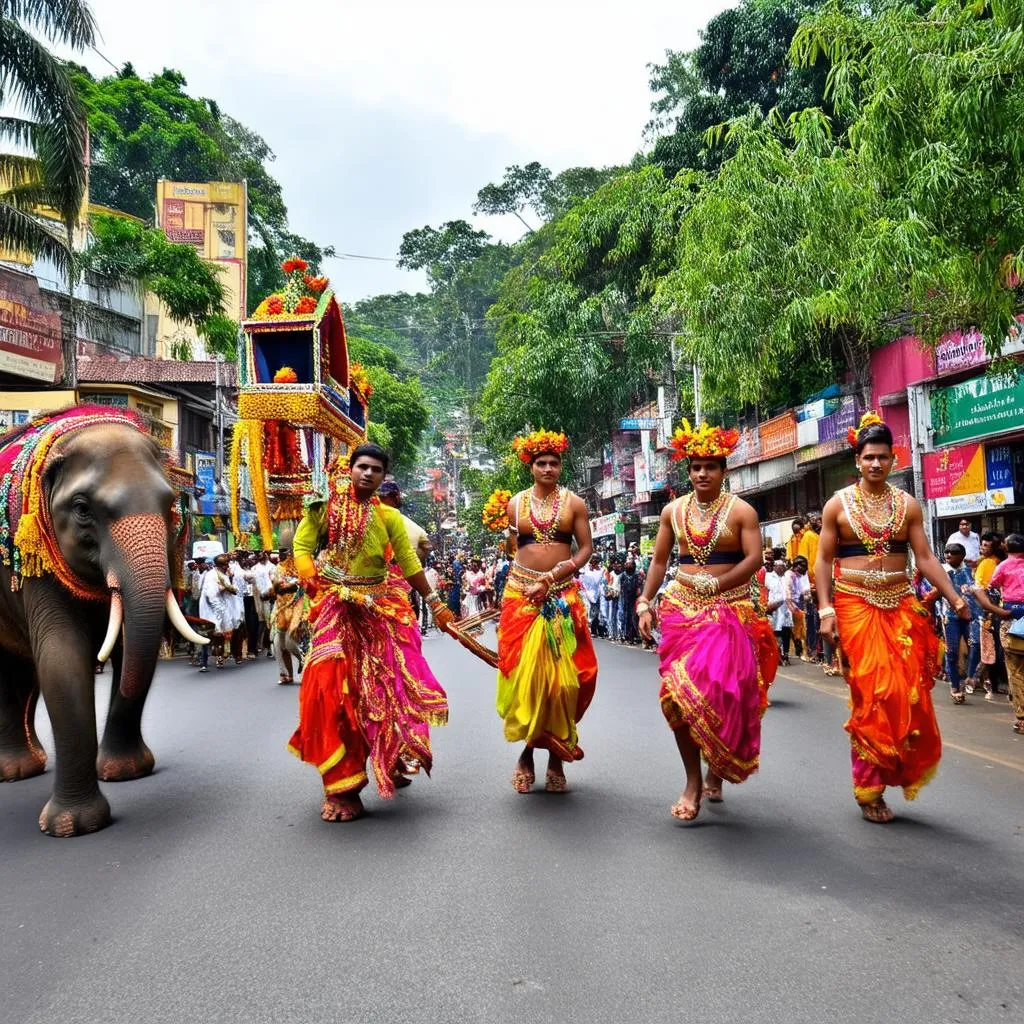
81,511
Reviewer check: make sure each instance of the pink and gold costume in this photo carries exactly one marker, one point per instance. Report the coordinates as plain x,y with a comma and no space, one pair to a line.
718,658
367,691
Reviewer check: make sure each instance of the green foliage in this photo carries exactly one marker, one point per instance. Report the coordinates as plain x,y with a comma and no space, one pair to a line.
50,133
147,129
441,251
741,65
124,250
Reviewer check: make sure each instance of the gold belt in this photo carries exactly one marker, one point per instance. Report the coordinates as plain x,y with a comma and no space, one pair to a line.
520,578
886,594
733,596
332,574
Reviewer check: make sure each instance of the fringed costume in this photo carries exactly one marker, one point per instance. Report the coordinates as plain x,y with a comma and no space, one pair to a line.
367,692
890,657
547,669
718,658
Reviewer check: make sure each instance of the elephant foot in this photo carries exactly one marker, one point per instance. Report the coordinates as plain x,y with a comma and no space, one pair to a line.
124,765
64,820
22,765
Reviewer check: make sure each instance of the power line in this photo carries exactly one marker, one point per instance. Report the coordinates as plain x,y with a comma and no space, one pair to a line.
360,256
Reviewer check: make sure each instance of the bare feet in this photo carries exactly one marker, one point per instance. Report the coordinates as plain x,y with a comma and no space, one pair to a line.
342,808
712,788
877,811
687,807
555,782
401,781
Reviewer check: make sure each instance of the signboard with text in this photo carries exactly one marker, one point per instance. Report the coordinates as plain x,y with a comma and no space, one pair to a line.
961,505
954,471
29,332
977,407
999,475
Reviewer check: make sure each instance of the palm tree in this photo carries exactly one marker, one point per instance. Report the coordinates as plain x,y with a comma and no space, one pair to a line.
48,134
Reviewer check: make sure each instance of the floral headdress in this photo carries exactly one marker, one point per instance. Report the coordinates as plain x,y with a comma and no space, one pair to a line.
869,419
495,513
538,443
703,442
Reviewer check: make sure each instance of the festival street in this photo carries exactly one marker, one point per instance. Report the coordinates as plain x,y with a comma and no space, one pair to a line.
219,895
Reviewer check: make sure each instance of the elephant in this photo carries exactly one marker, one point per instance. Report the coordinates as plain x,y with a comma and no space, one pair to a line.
105,504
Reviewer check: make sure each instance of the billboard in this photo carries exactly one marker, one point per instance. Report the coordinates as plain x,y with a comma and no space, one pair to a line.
29,332
211,216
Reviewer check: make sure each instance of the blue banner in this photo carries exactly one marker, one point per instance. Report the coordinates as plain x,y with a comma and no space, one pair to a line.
206,478
998,466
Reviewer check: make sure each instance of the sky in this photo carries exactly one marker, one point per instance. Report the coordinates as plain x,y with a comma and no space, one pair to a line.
389,115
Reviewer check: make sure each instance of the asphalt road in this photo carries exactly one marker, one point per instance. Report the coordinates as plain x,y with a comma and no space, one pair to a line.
219,896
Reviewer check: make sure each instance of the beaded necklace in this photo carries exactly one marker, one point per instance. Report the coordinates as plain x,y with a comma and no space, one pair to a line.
703,536
347,520
876,536
544,529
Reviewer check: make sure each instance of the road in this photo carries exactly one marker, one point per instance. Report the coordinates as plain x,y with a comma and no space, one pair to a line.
219,896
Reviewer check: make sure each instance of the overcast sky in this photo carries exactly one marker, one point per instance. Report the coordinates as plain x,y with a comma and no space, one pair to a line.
389,115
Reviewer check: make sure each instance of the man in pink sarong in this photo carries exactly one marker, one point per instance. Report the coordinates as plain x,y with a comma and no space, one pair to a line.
718,654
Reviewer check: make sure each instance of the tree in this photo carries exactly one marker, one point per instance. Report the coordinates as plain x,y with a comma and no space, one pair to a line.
144,130
126,251
53,131
804,252
741,64
441,251
398,410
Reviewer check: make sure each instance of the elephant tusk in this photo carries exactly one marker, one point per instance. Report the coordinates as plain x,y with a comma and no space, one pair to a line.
180,623
113,626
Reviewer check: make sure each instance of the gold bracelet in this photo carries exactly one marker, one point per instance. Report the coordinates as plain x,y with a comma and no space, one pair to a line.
827,613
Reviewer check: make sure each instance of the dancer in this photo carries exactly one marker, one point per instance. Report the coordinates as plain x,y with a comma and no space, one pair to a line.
718,655
889,651
366,690
547,670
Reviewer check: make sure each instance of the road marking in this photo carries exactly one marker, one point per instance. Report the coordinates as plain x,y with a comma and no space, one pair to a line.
1017,766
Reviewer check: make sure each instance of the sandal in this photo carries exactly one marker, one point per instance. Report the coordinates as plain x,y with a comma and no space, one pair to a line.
555,783
877,811
523,779
283,680
1018,726
958,696
684,810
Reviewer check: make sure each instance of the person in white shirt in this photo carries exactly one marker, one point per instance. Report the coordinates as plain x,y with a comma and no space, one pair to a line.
969,539
217,605
780,606
799,592
434,579
592,581
476,584
263,598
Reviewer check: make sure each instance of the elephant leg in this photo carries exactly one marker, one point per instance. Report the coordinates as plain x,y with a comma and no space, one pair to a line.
21,754
62,642
123,753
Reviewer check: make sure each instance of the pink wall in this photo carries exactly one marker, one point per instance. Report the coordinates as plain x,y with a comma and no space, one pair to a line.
898,364
898,418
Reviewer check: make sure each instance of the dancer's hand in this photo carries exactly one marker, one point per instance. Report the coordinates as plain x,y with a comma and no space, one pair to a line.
827,629
537,594
443,617
645,623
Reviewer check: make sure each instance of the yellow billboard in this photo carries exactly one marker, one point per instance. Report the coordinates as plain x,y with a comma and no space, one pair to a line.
211,216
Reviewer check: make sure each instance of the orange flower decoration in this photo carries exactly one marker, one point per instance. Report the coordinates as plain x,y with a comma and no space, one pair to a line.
315,284
869,419
359,381
540,442
704,442
495,511
286,375
275,305
307,304
291,265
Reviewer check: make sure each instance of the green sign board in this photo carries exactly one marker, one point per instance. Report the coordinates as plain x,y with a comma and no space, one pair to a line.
977,407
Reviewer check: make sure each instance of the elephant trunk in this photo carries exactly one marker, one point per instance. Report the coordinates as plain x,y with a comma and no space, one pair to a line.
141,556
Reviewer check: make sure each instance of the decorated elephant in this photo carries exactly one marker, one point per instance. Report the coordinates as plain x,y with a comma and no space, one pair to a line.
85,518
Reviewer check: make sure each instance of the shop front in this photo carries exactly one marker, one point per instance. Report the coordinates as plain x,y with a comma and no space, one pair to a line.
978,474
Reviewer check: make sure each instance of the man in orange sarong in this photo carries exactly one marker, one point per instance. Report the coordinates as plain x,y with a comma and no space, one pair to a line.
889,649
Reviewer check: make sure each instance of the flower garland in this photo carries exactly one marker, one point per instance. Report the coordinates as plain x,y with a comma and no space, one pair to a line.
359,381
248,434
300,297
495,511
540,442
701,537
347,520
703,442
